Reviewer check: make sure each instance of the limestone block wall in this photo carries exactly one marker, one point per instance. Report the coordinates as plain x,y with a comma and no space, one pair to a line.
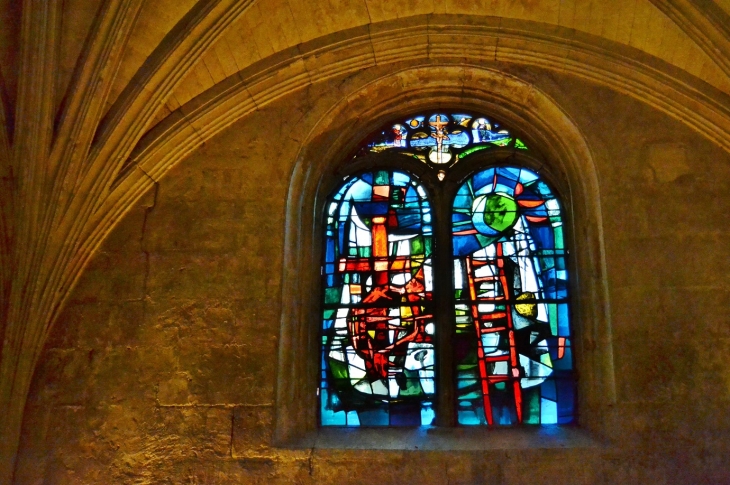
162,368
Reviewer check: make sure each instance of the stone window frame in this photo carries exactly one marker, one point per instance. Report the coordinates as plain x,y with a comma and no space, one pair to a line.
318,170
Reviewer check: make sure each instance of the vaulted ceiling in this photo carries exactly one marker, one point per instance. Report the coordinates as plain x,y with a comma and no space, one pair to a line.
101,97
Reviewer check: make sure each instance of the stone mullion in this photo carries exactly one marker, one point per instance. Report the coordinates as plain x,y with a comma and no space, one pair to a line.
444,314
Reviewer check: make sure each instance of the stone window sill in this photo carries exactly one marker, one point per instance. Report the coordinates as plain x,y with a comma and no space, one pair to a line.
449,439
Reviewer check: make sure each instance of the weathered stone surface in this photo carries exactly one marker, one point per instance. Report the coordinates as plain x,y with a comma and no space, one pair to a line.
163,367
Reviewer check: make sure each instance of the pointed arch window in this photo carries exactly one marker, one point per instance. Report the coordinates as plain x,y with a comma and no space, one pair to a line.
445,296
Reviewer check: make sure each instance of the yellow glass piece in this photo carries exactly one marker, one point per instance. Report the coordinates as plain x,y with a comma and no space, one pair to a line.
405,311
371,333
527,309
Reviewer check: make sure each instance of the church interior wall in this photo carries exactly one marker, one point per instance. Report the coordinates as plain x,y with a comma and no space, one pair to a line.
163,365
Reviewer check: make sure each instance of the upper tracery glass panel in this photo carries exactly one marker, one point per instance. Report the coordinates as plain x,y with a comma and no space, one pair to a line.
440,139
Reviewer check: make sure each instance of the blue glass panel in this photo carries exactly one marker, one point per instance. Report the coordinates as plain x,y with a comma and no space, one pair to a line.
428,415
465,245
563,322
566,398
468,417
375,416
330,255
542,236
547,390
504,244
328,417
401,179
405,414
548,411
484,178
566,363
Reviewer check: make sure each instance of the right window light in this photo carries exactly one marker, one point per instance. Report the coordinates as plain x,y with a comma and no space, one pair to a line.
512,347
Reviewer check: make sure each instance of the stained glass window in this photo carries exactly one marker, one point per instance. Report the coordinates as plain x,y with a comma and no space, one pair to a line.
378,329
440,139
508,330
512,341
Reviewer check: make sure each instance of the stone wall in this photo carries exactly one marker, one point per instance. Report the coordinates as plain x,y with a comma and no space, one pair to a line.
162,368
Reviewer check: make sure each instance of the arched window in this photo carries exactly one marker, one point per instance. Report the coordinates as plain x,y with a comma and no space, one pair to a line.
445,296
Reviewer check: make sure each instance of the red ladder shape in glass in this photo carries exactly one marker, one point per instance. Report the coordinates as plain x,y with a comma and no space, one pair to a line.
501,321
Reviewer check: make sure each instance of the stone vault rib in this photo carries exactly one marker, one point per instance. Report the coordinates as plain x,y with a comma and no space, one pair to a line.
62,173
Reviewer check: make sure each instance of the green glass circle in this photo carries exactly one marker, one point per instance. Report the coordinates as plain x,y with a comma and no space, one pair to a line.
500,212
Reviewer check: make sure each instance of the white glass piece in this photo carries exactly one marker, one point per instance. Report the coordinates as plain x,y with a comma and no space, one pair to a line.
427,382
345,294
393,387
535,372
363,237
364,387
356,366
400,278
337,355
484,271
528,279
508,249
404,248
419,356
428,275
400,237
486,307
458,276
553,206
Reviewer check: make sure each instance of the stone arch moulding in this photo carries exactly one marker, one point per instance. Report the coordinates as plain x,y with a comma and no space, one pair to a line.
554,140
619,67
624,69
